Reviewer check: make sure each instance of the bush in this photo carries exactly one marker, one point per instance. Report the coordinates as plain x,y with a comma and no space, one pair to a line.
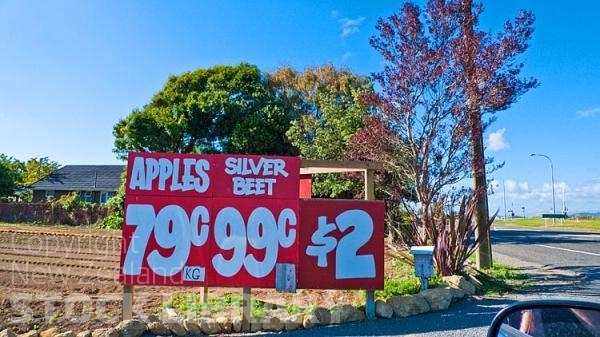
450,230
455,238
115,205
69,210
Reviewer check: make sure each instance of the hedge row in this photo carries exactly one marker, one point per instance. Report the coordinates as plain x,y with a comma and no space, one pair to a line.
52,213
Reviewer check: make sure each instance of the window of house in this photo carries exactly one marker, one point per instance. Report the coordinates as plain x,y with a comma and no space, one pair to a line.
104,196
87,197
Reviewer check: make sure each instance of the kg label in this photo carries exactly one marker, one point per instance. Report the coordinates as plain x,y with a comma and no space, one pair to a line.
194,274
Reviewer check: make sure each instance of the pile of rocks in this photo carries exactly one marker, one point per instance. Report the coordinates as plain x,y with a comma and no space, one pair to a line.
172,324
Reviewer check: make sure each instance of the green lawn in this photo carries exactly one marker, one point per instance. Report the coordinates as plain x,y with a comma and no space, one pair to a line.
571,223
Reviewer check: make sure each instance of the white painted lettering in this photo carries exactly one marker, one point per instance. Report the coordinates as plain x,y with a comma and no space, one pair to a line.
175,184
152,171
249,166
166,170
188,180
279,167
138,175
231,166
170,174
202,166
252,186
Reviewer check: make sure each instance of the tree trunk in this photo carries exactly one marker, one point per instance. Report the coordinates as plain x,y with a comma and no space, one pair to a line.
484,251
469,54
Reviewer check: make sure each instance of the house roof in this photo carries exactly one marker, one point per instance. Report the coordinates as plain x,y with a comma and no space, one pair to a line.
82,178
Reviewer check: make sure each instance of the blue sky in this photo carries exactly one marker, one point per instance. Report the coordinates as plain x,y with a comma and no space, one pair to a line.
71,69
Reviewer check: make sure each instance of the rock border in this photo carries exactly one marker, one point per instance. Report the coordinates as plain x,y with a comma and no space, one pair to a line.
172,324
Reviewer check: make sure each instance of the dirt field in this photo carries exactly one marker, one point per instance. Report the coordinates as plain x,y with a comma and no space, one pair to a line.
66,277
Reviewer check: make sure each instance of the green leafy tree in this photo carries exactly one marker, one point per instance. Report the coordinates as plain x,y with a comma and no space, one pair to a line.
331,112
7,184
33,170
220,109
11,173
19,175
36,169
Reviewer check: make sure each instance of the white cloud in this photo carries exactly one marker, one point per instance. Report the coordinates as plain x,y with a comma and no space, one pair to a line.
511,185
346,56
538,199
335,14
496,141
561,186
350,26
588,190
524,186
588,112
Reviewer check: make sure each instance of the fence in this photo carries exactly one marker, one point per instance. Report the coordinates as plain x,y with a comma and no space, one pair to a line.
52,213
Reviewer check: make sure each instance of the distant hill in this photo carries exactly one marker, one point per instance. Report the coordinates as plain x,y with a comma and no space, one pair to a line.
586,214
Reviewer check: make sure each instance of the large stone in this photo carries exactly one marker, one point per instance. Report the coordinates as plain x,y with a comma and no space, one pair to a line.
457,293
438,298
345,314
110,332
293,322
309,321
99,332
192,327
7,333
152,318
255,326
210,326
132,328
323,316
272,324
408,305
226,323
158,329
86,333
383,310
170,315
66,334
175,327
49,332
34,333
460,282
237,323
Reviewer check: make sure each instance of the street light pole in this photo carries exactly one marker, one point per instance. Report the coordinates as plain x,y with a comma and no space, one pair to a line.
551,181
504,197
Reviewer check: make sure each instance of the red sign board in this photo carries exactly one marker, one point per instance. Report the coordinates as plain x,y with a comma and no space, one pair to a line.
189,175
228,220
341,244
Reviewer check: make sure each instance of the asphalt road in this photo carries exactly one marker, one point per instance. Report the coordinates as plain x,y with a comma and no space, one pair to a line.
561,263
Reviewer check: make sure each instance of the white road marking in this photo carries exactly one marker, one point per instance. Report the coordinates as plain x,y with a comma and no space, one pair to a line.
583,237
569,250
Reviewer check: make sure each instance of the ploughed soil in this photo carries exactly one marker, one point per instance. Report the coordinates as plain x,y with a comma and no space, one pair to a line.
67,277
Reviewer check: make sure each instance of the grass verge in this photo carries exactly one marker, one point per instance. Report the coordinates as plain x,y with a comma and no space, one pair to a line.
592,224
500,279
400,279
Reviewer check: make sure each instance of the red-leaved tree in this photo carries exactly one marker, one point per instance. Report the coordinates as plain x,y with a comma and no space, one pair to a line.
438,80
